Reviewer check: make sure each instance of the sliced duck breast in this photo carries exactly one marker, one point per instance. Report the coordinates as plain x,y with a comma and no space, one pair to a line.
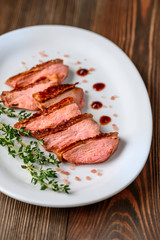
51,117
77,128
48,69
93,150
55,94
22,97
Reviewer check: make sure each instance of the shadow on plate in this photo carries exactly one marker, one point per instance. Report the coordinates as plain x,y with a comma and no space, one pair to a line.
118,152
70,78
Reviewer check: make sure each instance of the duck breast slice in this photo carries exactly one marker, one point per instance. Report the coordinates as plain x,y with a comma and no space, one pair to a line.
55,94
50,117
22,97
48,69
93,150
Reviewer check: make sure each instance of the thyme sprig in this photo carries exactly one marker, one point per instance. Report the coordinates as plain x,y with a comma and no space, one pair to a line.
31,155
10,112
48,175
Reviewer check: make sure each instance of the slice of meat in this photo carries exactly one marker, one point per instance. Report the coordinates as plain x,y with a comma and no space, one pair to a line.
39,134
48,69
22,97
77,128
93,150
55,94
52,92
76,93
50,117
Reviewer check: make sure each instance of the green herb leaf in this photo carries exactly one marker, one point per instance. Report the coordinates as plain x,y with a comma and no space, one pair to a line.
10,112
31,154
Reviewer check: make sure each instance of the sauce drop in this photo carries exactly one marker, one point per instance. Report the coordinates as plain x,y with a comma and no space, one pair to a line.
65,181
77,178
99,174
115,128
104,120
66,55
84,81
82,72
93,171
99,86
96,105
88,178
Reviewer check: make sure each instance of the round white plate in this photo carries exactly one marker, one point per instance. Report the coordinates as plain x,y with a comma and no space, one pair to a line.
134,117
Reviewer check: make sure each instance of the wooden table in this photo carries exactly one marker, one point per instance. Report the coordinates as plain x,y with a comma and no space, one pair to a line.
134,213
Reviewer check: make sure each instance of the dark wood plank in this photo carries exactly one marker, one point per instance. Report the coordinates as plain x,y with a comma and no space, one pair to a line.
134,213
18,219
24,221
21,13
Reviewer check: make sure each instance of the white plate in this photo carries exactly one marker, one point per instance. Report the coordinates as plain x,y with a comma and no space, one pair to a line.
132,107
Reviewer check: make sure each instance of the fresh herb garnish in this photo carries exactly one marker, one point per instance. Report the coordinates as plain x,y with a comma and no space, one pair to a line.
31,155
10,112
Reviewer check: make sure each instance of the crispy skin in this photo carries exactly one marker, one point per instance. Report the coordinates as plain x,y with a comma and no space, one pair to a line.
76,93
52,92
22,97
62,126
55,94
75,144
30,76
45,112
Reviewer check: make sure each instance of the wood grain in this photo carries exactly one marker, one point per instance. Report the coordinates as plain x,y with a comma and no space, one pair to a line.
135,212
24,221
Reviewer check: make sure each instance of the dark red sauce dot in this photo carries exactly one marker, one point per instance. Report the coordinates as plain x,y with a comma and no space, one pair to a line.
82,72
96,105
99,86
104,120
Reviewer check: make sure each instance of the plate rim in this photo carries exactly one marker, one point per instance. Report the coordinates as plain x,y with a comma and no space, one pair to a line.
20,198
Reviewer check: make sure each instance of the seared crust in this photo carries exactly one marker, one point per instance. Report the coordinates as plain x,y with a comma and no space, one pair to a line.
37,68
75,144
45,112
62,126
52,92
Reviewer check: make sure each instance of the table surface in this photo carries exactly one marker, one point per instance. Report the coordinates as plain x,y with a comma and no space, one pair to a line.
134,213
